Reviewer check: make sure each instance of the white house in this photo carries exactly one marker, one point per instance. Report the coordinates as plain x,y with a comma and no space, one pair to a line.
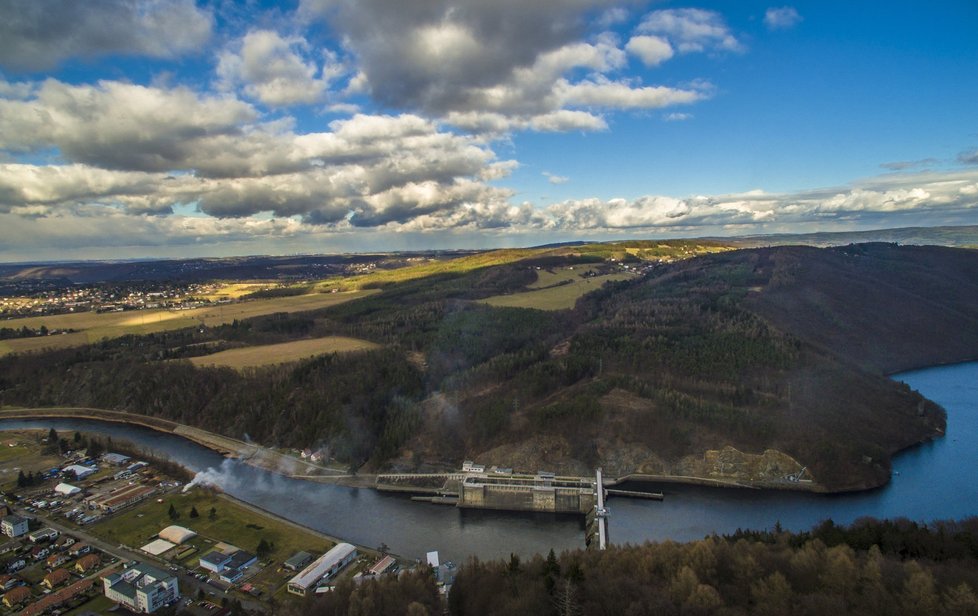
14,525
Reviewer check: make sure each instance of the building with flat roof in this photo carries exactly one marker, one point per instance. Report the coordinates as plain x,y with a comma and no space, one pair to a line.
115,459
44,534
141,588
325,566
80,471
14,525
215,561
298,561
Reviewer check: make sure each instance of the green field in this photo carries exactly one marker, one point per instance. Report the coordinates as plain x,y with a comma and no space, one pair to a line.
233,523
100,604
25,454
460,265
92,327
560,297
268,354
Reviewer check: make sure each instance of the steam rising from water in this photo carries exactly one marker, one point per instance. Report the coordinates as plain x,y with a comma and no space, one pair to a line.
229,476
222,478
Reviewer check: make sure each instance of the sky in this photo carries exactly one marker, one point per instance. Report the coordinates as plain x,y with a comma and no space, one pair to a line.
181,128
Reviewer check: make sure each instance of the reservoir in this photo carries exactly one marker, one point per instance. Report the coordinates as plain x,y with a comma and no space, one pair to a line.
932,481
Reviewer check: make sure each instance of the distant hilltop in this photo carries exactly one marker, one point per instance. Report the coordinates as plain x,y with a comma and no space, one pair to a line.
292,267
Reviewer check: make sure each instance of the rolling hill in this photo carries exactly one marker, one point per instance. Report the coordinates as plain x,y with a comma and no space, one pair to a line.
736,365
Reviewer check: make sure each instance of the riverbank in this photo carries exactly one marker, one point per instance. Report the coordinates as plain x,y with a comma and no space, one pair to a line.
251,453
260,523
927,485
294,468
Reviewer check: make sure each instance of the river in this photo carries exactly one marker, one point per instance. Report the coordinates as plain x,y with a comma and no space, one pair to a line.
932,481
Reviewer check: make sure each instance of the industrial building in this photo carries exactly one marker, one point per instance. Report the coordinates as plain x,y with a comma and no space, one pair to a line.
230,565
323,567
115,459
66,489
298,561
141,588
80,471
125,497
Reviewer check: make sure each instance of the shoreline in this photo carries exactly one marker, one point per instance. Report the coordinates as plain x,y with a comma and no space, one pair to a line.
64,413
293,468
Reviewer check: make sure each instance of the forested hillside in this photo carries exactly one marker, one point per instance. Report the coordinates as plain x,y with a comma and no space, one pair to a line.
870,568
694,368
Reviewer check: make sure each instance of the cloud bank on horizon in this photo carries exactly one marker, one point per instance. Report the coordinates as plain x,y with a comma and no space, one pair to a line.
176,127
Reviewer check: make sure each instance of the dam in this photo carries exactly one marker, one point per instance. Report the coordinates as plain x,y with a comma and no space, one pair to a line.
541,492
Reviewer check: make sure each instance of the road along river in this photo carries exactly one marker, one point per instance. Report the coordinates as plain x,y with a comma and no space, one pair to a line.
931,481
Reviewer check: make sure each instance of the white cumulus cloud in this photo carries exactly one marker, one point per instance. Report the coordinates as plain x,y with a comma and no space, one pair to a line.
275,69
651,50
691,30
781,18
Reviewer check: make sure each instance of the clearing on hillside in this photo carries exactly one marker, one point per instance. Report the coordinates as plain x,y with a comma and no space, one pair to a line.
268,354
92,327
558,297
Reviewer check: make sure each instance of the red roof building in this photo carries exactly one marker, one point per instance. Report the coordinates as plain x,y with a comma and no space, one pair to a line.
56,578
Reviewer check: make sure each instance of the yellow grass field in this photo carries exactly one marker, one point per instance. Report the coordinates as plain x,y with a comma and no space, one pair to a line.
548,278
234,290
92,327
555,298
268,354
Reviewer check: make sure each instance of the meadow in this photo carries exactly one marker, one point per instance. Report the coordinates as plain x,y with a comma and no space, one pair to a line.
231,523
561,290
270,354
91,326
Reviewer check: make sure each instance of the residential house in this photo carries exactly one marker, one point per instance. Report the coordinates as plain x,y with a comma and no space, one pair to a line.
45,534
38,552
79,549
56,599
87,563
56,560
56,578
8,581
16,596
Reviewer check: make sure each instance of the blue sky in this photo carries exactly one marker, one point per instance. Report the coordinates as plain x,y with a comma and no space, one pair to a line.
179,128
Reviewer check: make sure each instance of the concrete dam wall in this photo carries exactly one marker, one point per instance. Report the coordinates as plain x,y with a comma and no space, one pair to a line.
527,494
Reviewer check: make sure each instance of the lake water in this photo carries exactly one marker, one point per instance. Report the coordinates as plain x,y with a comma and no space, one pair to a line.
934,481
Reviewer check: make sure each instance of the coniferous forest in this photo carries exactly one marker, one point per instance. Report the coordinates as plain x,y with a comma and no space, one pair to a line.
871,567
